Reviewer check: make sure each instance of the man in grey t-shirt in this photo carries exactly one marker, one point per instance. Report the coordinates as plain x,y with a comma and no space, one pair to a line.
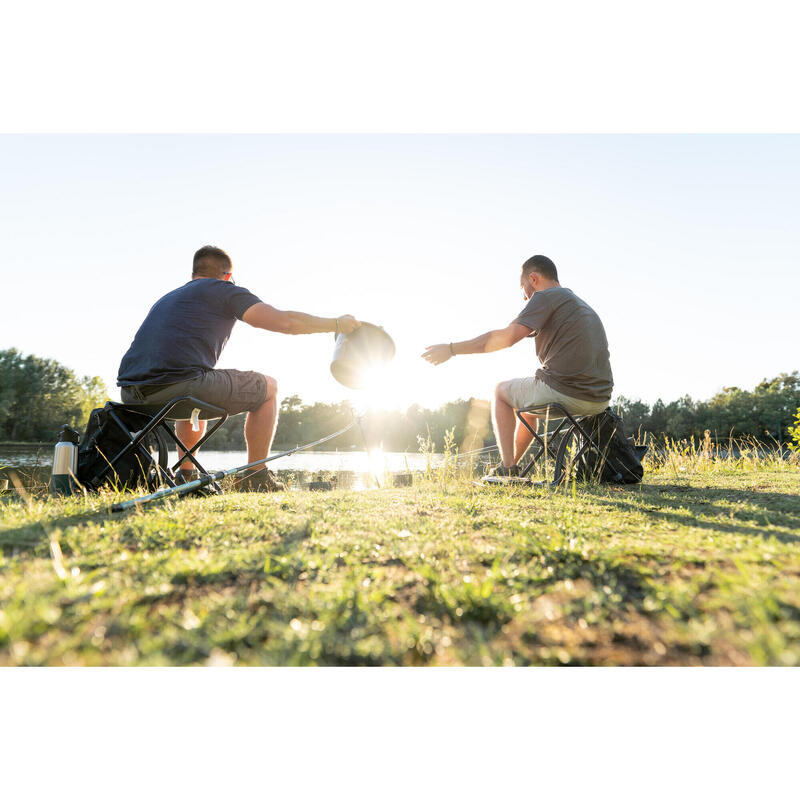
571,345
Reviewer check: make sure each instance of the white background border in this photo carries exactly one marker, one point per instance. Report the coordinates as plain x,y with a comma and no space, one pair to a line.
410,67
416,66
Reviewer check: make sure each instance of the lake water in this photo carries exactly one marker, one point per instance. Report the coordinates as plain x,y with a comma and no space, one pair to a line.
309,461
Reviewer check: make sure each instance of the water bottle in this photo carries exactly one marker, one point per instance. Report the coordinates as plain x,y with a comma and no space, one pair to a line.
65,462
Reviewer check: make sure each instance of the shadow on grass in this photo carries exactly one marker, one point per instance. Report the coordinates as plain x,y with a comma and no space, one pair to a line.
33,535
667,500
283,562
487,602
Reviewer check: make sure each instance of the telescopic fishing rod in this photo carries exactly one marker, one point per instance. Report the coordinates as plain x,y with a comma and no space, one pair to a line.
187,488
480,451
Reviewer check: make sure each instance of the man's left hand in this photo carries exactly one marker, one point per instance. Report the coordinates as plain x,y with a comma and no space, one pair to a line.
437,353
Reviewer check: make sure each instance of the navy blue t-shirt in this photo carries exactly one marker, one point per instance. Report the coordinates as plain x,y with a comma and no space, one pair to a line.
184,333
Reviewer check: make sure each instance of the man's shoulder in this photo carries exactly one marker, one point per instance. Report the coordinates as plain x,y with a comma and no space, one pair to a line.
169,297
563,295
211,288
558,293
545,300
203,294
188,289
210,285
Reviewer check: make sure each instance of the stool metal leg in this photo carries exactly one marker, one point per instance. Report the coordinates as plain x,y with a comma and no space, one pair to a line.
568,428
160,421
546,444
189,451
135,441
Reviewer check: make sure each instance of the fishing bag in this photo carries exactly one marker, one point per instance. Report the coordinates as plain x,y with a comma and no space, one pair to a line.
104,439
621,459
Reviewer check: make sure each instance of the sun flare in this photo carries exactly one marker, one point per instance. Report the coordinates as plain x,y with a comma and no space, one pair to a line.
376,464
377,392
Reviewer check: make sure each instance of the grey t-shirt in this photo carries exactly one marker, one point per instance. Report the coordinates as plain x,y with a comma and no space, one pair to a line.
571,344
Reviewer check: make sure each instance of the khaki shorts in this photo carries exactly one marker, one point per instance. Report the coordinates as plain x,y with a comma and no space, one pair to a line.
524,392
232,389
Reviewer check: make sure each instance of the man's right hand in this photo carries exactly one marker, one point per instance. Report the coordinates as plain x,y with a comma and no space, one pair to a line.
438,353
347,323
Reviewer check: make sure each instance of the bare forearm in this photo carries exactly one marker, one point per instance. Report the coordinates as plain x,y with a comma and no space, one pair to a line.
297,322
485,343
262,315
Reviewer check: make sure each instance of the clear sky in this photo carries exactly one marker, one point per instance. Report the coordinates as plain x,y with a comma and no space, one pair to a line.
687,247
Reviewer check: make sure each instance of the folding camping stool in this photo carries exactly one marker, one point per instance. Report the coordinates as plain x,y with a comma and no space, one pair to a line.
554,443
156,419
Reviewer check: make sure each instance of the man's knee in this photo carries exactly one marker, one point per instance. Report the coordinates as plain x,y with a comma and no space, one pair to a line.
272,388
501,393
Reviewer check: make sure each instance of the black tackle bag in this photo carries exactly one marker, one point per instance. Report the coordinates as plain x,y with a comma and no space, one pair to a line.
104,440
621,460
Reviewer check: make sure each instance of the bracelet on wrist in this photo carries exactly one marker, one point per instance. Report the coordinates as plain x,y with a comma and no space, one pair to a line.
452,352
337,325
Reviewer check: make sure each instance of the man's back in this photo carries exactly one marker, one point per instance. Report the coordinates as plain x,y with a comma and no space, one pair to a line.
184,333
571,344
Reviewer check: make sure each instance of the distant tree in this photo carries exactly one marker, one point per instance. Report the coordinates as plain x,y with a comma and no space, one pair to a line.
658,419
776,401
794,432
681,419
290,420
39,395
635,414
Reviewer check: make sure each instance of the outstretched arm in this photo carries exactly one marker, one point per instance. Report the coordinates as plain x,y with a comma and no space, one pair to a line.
265,316
485,343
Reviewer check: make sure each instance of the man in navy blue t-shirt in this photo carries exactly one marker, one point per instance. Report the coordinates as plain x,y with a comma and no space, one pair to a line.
175,352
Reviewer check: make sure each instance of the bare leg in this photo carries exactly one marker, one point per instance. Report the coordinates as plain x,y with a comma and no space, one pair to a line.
523,438
259,426
183,430
504,423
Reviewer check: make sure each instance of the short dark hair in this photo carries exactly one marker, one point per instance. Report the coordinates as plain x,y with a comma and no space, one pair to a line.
209,262
543,265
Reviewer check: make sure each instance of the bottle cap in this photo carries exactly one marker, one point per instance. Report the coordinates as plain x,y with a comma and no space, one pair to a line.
68,434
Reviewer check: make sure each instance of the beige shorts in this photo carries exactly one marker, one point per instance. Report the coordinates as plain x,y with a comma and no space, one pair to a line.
524,392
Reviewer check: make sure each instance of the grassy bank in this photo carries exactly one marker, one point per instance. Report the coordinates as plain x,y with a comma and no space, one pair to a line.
697,566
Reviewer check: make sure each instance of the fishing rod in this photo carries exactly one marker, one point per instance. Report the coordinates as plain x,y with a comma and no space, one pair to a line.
479,451
205,480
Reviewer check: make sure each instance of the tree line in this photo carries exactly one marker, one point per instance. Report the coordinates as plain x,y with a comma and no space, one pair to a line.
765,413
38,396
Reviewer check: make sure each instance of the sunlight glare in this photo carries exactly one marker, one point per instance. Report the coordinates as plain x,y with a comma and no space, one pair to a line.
377,391
376,464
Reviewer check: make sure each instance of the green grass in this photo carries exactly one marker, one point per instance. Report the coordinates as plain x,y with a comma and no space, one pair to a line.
697,566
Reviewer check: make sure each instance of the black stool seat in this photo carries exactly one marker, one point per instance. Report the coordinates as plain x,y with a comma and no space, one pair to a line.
179,408
570,429
155,419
